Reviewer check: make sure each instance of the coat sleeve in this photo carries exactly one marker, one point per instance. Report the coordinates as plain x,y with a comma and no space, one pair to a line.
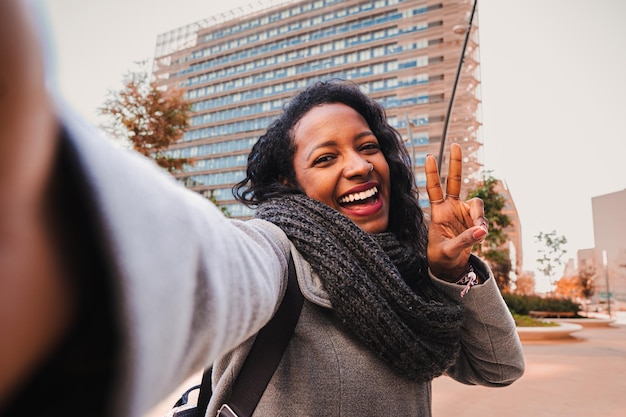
189,283
491,352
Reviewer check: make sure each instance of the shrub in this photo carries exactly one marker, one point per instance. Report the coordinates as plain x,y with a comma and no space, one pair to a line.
525,321
523,304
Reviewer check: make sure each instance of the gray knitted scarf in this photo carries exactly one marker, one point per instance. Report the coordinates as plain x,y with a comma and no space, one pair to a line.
378,288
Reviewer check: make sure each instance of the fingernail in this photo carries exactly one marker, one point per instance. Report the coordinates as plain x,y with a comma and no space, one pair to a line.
479,233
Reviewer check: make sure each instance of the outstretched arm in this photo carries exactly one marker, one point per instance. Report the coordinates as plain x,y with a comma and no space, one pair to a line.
455,225
187,284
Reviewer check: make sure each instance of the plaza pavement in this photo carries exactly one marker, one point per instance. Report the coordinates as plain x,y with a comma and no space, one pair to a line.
580,376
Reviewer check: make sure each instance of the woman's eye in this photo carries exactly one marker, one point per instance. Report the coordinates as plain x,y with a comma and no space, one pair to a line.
322,159
370,146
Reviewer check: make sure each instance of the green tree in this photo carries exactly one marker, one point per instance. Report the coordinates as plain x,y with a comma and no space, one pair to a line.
550,257
492,249
150,117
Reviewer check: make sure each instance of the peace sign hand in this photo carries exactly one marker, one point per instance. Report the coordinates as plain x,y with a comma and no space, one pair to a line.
455,225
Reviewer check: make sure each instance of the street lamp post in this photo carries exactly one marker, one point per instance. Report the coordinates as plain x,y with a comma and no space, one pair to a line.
410,135
605,263
446,121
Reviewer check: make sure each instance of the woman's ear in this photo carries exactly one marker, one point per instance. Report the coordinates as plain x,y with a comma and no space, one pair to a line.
286,182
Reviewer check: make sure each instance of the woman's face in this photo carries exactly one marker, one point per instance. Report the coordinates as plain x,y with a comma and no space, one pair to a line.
334,150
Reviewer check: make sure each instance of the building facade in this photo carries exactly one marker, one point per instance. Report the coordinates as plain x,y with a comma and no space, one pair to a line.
238,70
609,254
513,231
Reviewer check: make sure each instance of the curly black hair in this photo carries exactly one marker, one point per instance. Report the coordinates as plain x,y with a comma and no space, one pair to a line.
270,171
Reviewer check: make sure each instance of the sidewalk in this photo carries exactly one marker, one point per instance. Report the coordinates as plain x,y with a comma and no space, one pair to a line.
582,376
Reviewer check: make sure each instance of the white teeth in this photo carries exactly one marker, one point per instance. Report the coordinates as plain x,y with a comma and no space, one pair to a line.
359,196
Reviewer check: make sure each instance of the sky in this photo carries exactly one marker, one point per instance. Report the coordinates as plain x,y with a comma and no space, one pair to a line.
553,92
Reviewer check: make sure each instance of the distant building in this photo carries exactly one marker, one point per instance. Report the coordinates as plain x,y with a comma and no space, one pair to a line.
525,283
570,269
609,230
585,258
513,231
239,68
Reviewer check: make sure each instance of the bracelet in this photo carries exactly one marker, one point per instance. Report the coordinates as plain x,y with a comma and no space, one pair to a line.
468,279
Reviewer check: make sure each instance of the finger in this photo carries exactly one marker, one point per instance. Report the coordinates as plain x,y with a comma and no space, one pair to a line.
453,184
476,210
433,183
460,246
477,213
482,221
469,238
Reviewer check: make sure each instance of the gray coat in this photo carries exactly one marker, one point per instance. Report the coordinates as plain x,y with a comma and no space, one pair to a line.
326,371
192,286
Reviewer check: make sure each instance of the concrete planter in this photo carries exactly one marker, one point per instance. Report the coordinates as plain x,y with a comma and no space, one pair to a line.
562,331
588,322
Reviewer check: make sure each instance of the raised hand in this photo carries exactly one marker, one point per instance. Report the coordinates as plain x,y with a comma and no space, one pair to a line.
455,225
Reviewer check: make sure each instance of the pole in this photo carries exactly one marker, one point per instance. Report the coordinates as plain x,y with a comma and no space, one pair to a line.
606,277
410,134
446,120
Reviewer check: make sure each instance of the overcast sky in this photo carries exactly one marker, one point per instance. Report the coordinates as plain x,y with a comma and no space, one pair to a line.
553,91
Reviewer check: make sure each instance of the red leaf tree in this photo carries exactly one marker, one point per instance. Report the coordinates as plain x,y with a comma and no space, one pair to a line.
150,117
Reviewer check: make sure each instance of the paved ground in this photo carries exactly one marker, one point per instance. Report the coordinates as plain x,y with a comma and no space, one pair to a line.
582,376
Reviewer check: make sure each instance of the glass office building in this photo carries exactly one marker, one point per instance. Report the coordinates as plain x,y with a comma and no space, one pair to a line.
238,69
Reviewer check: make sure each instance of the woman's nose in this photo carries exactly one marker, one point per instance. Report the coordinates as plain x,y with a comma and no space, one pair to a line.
358,166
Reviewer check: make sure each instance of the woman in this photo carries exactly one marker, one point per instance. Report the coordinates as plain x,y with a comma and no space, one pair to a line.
118,283
376,327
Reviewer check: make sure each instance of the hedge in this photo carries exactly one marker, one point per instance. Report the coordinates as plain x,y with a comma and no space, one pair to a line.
522,304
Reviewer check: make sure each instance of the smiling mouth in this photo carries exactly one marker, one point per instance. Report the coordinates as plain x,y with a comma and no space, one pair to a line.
360,198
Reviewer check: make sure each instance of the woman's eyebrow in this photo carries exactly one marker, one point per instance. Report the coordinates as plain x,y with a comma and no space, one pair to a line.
363,134
321,145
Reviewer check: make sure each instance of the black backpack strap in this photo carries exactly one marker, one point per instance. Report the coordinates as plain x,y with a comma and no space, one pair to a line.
206,389
267,350
204,397
261,362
